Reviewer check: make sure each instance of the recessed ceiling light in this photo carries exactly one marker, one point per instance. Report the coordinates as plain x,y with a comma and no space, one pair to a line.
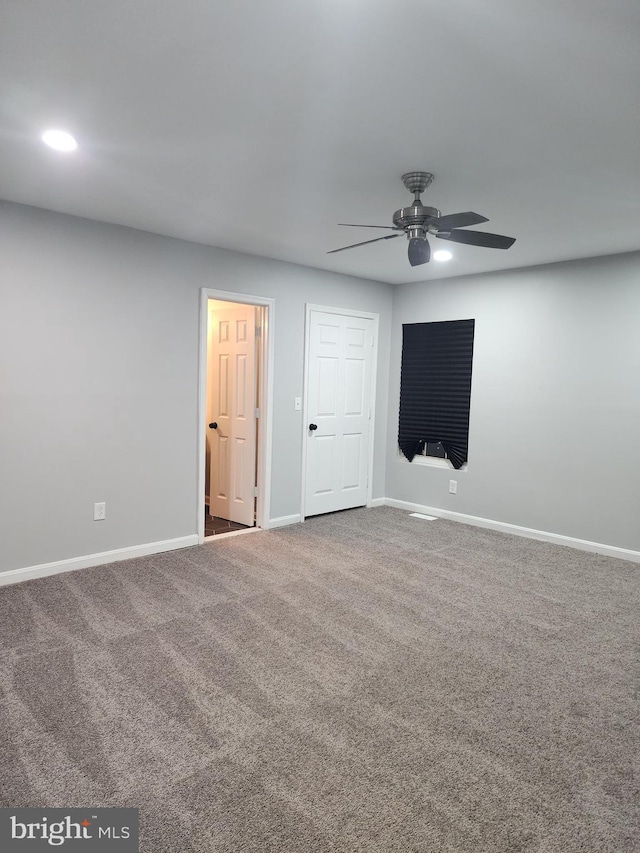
60,140
442,255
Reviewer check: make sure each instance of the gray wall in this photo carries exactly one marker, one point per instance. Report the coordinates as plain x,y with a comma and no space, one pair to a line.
554,439
98,360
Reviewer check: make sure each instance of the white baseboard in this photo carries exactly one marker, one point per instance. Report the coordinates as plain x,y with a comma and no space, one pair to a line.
516,530
283,521
30,572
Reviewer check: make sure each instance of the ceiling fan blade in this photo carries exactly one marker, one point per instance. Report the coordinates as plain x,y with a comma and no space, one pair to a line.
351,225
353,245
478,238
458,220
419,251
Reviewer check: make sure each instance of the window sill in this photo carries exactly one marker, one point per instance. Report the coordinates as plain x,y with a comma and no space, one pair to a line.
432,462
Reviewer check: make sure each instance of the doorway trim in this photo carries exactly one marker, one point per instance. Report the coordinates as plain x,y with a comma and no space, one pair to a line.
264,445
345,312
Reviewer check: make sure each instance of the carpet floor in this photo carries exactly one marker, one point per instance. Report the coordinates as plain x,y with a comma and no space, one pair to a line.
366,681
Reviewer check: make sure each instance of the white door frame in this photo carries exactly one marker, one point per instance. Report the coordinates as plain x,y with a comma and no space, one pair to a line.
345,312
266,355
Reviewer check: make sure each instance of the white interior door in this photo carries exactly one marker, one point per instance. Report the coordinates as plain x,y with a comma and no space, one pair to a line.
231,373
339,398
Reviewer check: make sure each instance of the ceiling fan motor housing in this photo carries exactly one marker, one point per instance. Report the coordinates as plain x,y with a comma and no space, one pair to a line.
415,220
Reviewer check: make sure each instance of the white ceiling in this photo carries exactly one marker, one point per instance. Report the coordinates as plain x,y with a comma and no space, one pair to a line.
257,125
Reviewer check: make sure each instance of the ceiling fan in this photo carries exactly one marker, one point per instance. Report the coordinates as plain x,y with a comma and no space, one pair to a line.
418,220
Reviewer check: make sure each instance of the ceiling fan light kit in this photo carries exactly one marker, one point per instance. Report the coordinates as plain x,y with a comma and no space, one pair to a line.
419,251
419,220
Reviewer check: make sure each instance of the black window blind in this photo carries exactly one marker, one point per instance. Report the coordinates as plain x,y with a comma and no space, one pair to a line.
435,387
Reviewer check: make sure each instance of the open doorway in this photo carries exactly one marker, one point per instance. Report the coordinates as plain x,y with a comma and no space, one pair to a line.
235,367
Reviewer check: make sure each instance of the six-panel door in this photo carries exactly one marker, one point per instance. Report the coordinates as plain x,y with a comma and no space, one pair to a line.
339,405
232,388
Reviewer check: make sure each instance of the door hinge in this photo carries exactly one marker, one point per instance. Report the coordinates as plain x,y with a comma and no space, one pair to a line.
257,413
255,491
258,331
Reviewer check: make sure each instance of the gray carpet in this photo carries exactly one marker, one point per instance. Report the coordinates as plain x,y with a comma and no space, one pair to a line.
366,681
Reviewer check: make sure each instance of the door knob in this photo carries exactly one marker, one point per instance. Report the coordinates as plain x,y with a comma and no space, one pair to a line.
313,427
213,425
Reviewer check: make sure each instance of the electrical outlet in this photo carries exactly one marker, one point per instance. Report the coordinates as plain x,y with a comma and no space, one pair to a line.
453,487
99,511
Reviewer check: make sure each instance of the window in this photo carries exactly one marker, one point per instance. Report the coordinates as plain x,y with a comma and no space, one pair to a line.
435,449
435,390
